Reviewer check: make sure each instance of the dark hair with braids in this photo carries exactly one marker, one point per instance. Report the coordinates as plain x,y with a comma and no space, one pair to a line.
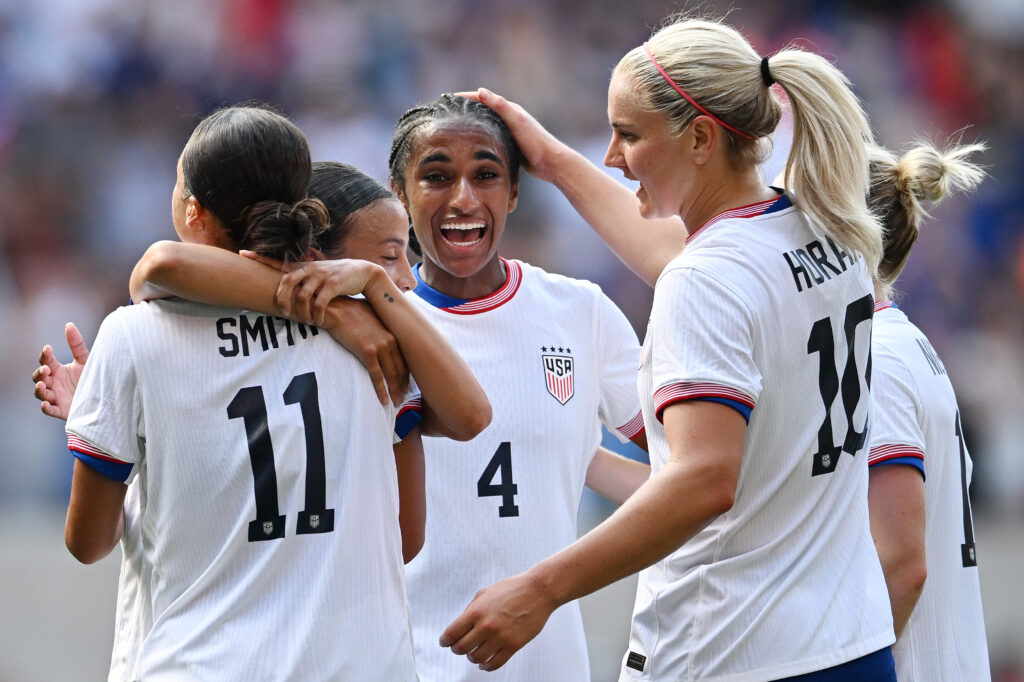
250,168
344,189
446,107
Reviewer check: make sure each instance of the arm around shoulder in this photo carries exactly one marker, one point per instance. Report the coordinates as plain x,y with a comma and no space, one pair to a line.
205,274
442,375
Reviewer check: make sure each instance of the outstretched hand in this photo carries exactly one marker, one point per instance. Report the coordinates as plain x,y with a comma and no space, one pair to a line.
538,146
55,383
500,621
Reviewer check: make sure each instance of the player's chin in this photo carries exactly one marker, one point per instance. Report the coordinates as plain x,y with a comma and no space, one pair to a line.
650,211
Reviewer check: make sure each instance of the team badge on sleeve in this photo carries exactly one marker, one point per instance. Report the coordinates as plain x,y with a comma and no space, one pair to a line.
558,374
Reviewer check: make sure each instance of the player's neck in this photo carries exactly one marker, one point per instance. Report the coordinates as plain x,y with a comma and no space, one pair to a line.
729,191
880,293
480,284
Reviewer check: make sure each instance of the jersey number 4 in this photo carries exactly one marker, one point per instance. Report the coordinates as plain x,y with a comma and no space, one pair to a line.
506,489
249,405
822,342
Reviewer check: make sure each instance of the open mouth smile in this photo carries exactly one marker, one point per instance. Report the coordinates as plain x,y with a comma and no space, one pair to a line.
463,233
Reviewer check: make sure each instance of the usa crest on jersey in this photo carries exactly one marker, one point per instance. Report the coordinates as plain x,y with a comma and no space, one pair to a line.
558,376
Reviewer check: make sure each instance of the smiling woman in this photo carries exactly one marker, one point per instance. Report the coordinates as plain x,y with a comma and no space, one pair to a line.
458,176
556,359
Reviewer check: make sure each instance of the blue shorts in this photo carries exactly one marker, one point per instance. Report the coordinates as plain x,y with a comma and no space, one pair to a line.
876,667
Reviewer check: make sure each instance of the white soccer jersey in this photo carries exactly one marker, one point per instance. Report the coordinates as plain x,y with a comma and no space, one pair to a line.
917,422
762,313
268,494
556,358
133,616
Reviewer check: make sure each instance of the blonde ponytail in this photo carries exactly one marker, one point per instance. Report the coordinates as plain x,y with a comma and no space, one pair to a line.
827,168
898,186
717,67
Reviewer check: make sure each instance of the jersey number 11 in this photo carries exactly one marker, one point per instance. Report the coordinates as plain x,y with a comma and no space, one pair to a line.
249,405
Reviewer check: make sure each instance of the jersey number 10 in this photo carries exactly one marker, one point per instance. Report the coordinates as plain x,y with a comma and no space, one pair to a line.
822,341
249,405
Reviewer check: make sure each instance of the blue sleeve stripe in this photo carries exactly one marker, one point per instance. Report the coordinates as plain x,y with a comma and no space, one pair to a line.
915,462
743,409
406,422
118,471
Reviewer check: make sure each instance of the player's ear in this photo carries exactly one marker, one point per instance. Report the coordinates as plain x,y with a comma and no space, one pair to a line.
400,193
704,132
194,214
513,197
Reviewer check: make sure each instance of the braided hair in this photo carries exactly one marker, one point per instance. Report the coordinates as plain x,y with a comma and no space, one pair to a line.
445,107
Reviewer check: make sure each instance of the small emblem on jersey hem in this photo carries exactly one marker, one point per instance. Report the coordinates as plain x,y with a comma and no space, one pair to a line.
636,661
558,374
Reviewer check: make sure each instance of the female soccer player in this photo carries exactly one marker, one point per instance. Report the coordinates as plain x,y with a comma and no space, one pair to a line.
922,525
367,222
212,408
556,359
755,517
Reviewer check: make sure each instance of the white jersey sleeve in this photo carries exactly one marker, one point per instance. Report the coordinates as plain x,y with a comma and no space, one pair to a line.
705,356
105,421
896,434
619,407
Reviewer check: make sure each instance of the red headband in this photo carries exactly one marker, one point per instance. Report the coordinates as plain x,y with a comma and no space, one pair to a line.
691,100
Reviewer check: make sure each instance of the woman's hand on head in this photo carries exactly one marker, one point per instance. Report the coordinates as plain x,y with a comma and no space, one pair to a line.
540,149
55,383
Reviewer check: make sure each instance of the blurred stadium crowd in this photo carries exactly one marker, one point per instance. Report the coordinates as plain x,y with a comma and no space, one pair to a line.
97,98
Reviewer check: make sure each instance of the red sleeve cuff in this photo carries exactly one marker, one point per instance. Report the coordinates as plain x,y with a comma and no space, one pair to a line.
633,427
674,393
882,453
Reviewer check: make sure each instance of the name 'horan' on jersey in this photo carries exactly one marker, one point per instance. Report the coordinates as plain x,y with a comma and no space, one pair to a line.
813,265
245,334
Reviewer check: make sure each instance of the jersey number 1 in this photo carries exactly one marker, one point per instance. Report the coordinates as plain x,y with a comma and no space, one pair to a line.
822,342
249,405
967,549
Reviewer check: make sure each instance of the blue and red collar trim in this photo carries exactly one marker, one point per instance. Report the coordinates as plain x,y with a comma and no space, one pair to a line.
461,306
779,203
